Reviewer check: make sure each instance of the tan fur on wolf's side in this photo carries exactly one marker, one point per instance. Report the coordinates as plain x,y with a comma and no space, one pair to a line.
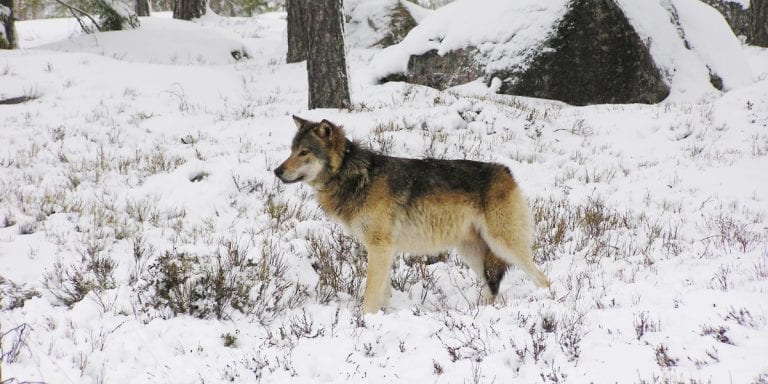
422,206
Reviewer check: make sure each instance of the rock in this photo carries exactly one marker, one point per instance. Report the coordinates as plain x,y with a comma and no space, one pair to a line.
593,57
380,23
453,68
400,23
577,51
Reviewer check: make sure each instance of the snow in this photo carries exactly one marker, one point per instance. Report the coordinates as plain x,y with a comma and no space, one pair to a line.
711,38
123,8
509,34
504,31
417,12
712,45
758,60
367,22
107,138
158,41
33,33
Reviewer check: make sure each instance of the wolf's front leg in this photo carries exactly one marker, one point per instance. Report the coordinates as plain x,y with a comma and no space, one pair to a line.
377,285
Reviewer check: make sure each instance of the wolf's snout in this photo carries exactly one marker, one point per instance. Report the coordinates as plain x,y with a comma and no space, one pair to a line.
279,172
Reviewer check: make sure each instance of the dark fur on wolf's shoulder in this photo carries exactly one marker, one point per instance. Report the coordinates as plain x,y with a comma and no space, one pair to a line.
408,180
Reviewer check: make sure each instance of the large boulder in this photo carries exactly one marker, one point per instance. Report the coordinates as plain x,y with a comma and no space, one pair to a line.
380,23
578,51
593,56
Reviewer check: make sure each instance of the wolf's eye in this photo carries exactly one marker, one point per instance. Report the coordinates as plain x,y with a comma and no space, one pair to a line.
303,152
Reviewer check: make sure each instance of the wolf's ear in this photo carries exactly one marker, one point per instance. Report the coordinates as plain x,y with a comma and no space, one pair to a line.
299,121
325,129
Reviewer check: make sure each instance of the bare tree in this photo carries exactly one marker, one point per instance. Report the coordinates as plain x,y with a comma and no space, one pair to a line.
326,61
189,9
142,7
7,27
297,30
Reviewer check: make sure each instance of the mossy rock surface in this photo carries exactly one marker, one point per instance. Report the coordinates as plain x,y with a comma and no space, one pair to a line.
400,23
592,56
454,68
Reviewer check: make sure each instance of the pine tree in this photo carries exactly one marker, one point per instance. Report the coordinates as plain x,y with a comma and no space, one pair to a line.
188,9
326,61
142,8
297,30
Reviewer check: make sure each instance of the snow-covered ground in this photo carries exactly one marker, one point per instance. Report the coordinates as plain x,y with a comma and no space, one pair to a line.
147,181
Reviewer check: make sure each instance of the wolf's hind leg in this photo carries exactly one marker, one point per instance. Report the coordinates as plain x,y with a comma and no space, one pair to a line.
512,243
474,252
518,251
508,229
494,268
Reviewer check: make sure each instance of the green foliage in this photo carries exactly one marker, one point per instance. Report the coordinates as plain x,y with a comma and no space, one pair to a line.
229,339
93,15
113,15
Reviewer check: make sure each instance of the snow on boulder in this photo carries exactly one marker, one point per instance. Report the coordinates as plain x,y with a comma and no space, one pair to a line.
708,34
380,23
159,41
692,44
736,13
578,51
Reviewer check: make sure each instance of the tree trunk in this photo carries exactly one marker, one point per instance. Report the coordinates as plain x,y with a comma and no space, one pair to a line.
188,9
759,23
142,7
297,30
326,61
7,27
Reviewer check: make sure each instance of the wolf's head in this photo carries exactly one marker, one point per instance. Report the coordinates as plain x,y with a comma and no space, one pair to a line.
317,152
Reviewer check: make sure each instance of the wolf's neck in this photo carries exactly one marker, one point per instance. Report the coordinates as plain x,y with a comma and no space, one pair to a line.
347,188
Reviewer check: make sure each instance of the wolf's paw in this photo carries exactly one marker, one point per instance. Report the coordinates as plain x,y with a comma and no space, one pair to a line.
370,308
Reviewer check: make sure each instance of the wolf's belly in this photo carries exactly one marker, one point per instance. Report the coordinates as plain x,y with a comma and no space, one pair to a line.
434,231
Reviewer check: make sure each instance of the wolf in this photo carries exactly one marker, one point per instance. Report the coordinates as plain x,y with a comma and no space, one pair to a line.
421,206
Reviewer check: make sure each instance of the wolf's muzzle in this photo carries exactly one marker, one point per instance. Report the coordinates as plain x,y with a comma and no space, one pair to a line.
279,172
